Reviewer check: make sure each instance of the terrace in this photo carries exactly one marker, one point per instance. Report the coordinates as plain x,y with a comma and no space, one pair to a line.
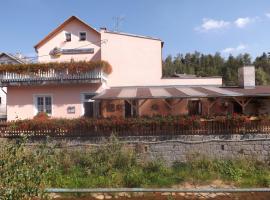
52,73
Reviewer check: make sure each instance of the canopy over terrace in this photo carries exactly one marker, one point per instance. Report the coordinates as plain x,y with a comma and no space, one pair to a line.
240,95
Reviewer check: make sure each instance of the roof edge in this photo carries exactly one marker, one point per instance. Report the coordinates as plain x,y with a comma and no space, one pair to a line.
133,35
13,57
59,27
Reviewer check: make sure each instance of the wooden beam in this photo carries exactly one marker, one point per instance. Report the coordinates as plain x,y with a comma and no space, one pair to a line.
143,102
243,102
248,101
134,107
179,100
171,106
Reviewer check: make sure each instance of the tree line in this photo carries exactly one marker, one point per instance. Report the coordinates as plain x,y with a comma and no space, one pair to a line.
216,65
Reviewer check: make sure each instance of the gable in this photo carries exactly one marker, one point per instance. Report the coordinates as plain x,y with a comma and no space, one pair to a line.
71,20
8,59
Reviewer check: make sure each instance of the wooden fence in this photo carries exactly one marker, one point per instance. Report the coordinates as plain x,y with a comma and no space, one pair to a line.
147,129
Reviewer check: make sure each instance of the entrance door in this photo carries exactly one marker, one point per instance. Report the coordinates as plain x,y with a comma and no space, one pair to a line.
127,109
194,107
130,111
237,108
88,109
91,107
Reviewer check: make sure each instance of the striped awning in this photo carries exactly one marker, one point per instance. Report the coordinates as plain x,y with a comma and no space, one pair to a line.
180,92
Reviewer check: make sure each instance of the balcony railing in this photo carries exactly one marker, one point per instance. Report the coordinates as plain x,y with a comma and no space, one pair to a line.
51,76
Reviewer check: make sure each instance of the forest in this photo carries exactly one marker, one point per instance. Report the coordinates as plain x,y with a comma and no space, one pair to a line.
215,65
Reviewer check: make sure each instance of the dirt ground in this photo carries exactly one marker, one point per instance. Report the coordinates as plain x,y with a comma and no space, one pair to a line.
158,196
180,196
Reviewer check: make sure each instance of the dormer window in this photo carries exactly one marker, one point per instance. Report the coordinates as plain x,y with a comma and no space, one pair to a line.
82,36
68,37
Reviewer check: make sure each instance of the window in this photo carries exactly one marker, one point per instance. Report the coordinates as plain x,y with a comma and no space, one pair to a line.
82,36
44,104
68,37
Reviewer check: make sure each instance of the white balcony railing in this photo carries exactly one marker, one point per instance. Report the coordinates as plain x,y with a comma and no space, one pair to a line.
51,75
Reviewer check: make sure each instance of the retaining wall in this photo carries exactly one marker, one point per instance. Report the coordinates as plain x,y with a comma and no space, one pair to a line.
181,148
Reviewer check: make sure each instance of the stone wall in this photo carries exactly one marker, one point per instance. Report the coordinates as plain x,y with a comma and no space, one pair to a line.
181,148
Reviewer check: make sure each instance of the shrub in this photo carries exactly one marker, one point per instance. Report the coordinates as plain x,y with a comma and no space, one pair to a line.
134,178
41,116
23,173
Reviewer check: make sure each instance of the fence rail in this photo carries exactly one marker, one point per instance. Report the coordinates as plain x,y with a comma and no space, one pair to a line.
130,128
146,190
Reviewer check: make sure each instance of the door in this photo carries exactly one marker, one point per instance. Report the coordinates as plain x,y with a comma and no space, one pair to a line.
127,109
91,107
194,107
88,109
131,110
237,108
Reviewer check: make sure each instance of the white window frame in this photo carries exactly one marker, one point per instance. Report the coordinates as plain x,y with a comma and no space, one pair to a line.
35,96
80,36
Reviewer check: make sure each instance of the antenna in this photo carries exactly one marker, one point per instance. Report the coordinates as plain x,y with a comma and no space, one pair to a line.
117,22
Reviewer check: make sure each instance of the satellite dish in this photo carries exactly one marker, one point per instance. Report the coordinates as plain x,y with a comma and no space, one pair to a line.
56,52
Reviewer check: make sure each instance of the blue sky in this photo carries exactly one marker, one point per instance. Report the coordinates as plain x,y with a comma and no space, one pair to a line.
227,26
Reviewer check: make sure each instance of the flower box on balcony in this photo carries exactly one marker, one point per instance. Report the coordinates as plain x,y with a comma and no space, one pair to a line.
42,73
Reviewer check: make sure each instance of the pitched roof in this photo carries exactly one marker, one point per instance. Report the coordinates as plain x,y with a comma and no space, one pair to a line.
133,35
19,60
51,34
168,92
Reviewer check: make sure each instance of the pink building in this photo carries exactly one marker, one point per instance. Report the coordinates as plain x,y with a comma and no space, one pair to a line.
135,86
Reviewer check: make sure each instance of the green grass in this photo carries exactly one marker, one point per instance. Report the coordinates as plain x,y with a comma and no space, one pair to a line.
111,165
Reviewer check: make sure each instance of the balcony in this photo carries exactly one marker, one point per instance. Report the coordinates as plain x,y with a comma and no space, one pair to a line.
58,73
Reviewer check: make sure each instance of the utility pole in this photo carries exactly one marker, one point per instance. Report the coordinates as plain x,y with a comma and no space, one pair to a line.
117,22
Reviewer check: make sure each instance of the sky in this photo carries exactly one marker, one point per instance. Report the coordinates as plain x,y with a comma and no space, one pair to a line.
208,26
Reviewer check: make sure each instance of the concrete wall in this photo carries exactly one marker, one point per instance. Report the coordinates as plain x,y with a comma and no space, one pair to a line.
59,40
21,101
3,105
137,61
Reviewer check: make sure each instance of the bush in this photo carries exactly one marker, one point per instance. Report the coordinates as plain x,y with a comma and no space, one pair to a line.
23,173
134,178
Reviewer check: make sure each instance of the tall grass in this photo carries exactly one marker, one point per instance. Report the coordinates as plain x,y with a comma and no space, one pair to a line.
113,165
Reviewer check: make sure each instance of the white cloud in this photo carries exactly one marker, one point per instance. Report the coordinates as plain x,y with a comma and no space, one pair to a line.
239,48
267,15
241,22
211,24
